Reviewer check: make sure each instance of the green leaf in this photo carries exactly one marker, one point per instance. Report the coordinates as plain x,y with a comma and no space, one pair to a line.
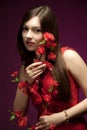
12,117
17,79
50,89
52,48
29,128
42,42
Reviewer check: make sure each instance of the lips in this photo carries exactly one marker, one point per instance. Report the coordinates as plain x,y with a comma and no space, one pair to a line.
30,43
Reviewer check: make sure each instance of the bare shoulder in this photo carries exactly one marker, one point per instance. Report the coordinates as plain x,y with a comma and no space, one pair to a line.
73,59
71,54
22,72
77,67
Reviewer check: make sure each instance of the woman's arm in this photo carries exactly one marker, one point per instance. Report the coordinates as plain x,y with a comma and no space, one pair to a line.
29,74
45,122
21,99
77,67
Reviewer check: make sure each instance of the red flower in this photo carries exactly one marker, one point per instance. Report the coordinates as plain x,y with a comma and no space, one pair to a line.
22,121
53,89
48,36
33,91
22,84
49,65
32,128
51,56
17,114
51,45
55,92
47,98
38,99
55,83
34,88
14,74
35,95
36,60
45,112
47,43
40,50
52,127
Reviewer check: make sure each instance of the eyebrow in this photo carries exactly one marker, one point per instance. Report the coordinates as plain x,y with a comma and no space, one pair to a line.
32,26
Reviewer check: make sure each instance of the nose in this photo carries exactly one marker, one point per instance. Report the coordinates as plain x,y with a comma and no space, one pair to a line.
29,34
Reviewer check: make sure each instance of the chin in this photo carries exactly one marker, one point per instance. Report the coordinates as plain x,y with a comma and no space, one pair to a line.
30,49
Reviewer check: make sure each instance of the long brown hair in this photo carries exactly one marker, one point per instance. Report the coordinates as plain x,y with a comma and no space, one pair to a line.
48,24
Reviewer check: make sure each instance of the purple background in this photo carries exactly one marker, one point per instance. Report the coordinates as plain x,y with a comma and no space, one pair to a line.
72,20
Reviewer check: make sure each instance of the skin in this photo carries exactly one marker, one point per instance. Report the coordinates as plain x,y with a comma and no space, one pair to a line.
77,67
32,34
74,64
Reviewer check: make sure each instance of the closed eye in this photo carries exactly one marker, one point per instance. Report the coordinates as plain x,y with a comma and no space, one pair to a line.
25,28
36,30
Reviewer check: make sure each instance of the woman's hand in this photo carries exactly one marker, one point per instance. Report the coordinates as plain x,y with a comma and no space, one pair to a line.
50,121
34,70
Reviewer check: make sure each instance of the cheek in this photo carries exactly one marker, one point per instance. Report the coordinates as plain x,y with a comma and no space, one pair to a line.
40,38
23,35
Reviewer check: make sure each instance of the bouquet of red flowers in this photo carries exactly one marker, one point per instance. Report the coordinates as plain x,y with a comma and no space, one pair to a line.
48,43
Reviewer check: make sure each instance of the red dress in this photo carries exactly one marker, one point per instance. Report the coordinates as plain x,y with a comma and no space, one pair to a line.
47,101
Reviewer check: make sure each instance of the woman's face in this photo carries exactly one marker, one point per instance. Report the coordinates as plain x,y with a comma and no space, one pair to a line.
32,34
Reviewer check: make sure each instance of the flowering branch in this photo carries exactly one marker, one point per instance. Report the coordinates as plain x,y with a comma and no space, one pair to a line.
22,120
14,75
48,43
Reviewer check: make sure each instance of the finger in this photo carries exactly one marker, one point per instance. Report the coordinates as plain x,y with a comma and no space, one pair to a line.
35,76
37,69
35,73
42,126
33,65
47,128
41,66
39,123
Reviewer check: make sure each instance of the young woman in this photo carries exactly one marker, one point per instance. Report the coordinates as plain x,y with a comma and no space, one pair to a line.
52,75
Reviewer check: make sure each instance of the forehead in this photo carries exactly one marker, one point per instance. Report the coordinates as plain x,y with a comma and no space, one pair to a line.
35,21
